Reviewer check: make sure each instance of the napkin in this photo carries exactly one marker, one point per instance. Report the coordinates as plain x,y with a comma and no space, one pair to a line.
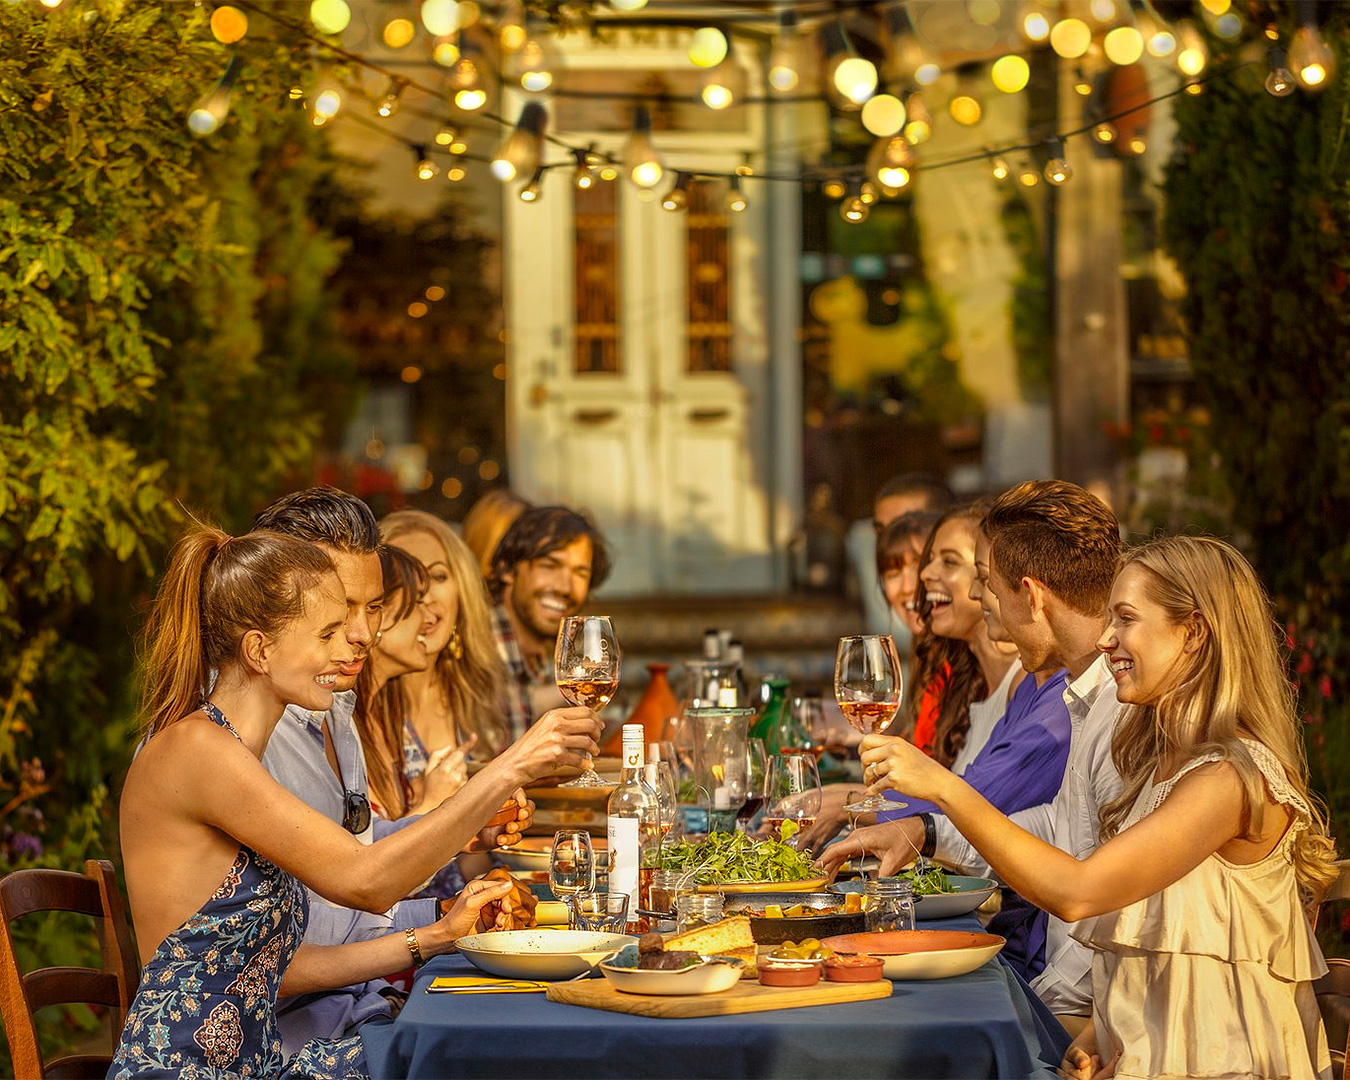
477,984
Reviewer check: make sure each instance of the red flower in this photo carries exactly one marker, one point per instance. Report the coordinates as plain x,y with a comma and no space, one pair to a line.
1324,685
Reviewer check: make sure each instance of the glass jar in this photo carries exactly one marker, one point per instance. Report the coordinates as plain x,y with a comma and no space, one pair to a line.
889,904
665,887
694,909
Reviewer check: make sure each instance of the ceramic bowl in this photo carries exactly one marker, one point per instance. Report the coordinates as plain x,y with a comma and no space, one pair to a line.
769,931
970,893
540,953
713,976
922,954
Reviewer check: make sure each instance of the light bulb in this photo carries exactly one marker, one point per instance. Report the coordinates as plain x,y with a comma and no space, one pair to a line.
1192,53
1104,133
1137,145
640,158
469,100
1158,39
455,174
511,25
853,210
884,115
440,17
677,198
398,32
999,167
1033,23
1010,73
867,193
1070,38
519,152
388,105
468,84
716,90
213,106
708,48
1123,45
856,78
1057,169
533,66
735,200
1312,61
531,191
330,16
1082,85
584,178
608,173
833,189
893,178
426,169
919,126
445,136
1028,177
628,5
785,57
326,103
889,161
1280,81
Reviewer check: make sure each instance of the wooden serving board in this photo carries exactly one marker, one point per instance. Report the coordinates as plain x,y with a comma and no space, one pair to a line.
745,997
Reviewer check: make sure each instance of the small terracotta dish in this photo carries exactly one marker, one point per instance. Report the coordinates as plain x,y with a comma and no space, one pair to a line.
855,968
789,972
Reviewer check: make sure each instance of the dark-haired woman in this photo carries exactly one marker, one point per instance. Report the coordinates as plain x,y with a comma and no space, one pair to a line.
215,850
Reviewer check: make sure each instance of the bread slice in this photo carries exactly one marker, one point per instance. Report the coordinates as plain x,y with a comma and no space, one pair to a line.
730,937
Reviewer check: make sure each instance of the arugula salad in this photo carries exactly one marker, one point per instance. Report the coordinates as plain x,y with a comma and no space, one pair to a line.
735,857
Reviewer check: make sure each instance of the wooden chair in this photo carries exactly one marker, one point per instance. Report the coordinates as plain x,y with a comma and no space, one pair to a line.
93,893
1333,988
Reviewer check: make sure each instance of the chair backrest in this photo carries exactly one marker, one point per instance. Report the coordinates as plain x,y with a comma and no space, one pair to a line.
1333,1002
93,893
1339,891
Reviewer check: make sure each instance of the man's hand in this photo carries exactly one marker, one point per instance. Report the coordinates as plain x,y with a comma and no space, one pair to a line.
833,816
509,910
896,842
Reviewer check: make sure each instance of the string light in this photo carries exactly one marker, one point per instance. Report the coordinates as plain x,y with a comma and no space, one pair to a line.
1105,133
1082,85
584,178
607,173
852,76
228,24
1192,53
884,115
919,125
889,161
1028,176
1070,38
330,16
1158,39
1311,58
467,82
717,92
1010,73
833,189
455,174
677,198
388,105
440,17
531,191
735,200
327,101
511,24
534,66
999,167
708,48
853,209
519,152
1057,169
639,154
398,32
1280,81
1033,23
212,108
1123,46
426,168
783,60
867,192
965,110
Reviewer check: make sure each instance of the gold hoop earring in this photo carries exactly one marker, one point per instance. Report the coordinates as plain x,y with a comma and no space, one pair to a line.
455,646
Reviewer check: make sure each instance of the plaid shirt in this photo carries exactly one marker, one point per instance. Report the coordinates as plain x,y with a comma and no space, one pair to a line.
523,674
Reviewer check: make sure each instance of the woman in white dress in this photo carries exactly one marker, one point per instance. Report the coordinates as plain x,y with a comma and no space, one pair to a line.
1195,902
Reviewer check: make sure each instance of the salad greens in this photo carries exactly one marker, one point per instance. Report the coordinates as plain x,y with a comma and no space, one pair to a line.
932,879
735,857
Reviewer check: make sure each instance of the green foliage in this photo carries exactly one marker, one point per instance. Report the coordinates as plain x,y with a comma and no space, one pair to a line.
166,341
1263,240
1030,308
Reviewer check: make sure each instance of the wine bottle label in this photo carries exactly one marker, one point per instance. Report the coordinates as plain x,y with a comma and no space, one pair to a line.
624,857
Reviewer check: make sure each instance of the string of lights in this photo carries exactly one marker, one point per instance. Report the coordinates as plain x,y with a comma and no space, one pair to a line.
899,120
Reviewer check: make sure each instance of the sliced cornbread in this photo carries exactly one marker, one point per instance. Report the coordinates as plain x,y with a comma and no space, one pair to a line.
730,937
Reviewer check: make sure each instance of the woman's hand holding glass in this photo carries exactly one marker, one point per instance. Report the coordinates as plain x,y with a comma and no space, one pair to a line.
892,764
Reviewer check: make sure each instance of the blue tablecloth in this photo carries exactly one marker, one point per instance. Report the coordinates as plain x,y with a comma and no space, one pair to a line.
986,1023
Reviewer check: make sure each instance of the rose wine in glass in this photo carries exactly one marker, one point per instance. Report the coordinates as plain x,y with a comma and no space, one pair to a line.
868,686
586,666
792,793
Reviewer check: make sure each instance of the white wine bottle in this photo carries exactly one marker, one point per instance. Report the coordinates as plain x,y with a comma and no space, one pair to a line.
634,830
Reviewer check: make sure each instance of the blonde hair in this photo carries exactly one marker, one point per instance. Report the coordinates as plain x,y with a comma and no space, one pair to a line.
473,684
1234,685
486,523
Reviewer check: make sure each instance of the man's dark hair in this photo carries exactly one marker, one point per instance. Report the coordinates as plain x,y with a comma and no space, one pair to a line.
937,495
324,515
542,529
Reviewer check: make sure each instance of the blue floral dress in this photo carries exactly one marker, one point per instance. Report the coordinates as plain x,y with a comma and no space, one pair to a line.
206,1007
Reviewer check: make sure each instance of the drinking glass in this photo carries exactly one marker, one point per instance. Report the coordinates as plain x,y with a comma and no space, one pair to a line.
868,685
586,666
601,911
659,776
793,793
756,782
571,864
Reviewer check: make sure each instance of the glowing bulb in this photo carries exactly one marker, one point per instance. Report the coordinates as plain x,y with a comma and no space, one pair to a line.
708,47
1082,85
531,191
999,167
1123,45
1033,23
1192,54
716,91
1103,10
1028,177
856,78
783,61
927,74
1280,81
398,32
511,24
1057,169
1312,61
519,153
608,173
677,198
330,16
965,110
465,78
640,158
469,100
893,177
388,105
628,5
228,24
455,174
326,104
735,200
534,66
867,193
853,210
883,115
1104,133
833,189
1137,145
1070,38
426,169
1010,73
440,17
1158,40
584,178
212,108
445,53
445,136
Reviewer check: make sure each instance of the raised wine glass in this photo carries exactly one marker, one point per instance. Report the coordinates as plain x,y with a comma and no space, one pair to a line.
868,686
586,667
571,865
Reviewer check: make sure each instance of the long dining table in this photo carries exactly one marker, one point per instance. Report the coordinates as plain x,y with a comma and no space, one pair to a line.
985,1023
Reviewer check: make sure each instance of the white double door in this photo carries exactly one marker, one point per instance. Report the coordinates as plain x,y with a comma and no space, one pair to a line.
673,463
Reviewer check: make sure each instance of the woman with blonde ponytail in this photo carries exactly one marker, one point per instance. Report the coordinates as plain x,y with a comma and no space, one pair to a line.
215,850
1195,902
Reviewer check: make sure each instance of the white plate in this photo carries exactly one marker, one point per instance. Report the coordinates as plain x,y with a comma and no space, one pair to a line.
541,953
706,978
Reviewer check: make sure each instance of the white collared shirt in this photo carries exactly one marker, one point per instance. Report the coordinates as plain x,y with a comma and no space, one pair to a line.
1070,822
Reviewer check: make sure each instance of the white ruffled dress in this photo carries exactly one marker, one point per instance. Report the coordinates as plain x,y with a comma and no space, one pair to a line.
1212,976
